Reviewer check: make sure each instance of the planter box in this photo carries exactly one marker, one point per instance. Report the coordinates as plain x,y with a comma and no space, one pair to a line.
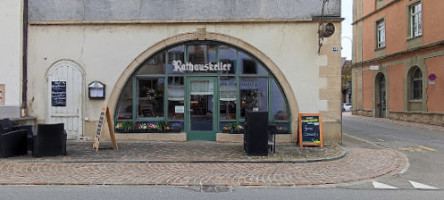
170,137
227,137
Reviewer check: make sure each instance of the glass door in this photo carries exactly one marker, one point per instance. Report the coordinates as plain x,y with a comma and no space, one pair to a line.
201,108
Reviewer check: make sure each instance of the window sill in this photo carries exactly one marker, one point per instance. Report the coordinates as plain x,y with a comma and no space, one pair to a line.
380,48
415,100
414,37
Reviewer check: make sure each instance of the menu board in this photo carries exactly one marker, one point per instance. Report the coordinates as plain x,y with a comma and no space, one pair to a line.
310,130
105,113
58,93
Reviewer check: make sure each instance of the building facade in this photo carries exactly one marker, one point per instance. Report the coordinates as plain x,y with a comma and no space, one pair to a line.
398,56
193,68
11,58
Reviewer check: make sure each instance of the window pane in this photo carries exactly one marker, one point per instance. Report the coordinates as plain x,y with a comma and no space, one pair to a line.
254,94
416,19
228,98
279,107
417,84
154,65
227,55
175,54
150,97
125,110
381,34
176,94
202,54
249,65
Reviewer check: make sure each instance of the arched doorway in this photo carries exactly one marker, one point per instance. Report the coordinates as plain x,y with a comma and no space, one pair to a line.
201,88
65,97
381,95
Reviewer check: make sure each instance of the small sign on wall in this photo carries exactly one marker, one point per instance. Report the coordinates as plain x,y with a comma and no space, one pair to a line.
374,67
179,109
2,94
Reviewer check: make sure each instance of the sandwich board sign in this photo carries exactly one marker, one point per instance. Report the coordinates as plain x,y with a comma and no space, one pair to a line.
310,130
105,113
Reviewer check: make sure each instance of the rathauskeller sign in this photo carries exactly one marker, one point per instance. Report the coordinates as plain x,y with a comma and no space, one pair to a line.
210,67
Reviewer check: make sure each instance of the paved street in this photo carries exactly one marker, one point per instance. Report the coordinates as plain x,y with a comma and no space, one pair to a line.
422,144
385,159
380,153
200,164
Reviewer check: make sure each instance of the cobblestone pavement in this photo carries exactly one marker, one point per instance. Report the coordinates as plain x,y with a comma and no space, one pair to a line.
200,164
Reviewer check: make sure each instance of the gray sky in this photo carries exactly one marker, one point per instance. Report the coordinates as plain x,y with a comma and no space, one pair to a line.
347,33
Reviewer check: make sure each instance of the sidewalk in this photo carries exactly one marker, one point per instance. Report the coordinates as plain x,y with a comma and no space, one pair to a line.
200,164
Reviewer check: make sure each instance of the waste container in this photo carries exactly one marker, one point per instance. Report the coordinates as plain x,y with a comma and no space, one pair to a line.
256,133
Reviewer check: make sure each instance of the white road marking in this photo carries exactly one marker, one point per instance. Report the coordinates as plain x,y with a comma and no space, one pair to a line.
422,186
378,185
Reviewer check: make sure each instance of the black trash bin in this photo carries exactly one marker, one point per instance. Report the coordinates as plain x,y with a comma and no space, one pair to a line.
256,133
50,140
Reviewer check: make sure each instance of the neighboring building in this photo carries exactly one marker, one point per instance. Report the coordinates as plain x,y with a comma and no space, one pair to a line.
197,64
346,82
11,55
398,57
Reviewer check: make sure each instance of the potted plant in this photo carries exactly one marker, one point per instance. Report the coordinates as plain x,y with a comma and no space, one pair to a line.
162,125
127,126
152,128
235,127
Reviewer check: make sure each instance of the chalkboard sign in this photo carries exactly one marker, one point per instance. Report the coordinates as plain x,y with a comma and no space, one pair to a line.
310,130
99,125
58,93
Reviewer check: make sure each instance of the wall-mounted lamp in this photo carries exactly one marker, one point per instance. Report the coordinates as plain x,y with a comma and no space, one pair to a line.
96,90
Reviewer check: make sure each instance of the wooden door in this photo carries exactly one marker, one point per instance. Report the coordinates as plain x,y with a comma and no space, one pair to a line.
65,93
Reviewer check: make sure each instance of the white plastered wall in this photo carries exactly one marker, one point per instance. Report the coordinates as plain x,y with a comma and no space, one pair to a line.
11,18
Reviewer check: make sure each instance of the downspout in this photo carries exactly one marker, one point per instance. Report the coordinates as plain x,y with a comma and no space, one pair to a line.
24,111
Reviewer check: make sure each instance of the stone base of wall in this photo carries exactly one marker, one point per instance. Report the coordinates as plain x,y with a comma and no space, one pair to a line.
419,117
239,138
24,121
367,113
166,137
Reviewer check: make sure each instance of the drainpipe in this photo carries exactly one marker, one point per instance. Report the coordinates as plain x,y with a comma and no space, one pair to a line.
25,60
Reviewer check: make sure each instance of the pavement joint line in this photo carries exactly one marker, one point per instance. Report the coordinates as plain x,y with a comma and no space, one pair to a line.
343,154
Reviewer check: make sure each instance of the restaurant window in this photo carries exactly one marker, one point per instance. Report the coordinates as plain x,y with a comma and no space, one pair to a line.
125,106
228,98
279,105
253,94
150,97
176,97
156,92
249,65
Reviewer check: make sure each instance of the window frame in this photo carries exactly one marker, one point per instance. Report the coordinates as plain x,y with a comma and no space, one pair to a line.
238,75
416,89
415,19
380,34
